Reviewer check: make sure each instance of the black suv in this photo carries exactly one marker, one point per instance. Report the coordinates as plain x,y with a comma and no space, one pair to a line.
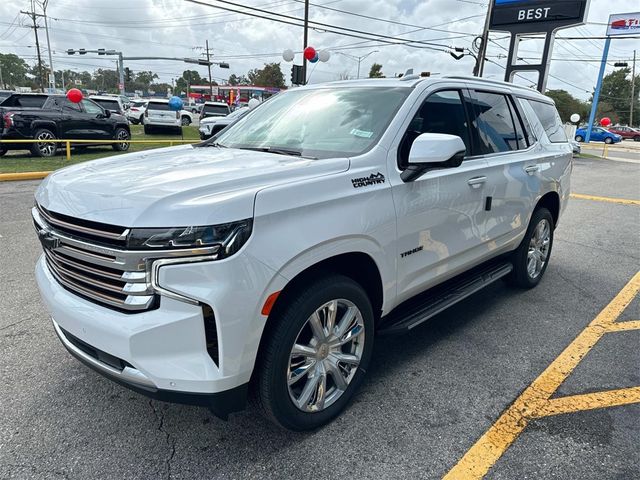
48,117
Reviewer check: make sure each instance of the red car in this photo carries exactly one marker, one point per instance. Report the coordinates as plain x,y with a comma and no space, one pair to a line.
626,133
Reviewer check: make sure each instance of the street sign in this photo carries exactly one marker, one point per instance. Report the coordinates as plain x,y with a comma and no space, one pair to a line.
120,86
532,16
623,24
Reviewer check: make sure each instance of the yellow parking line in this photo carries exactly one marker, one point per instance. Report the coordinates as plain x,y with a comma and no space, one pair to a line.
624,326
622,201
590,401
490,447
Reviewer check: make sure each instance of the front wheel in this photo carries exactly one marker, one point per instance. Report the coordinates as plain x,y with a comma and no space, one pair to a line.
531,259
122,135
316,353
3,151
608,140
185,121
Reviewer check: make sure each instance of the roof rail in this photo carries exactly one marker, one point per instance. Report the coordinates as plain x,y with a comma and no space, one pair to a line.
488,80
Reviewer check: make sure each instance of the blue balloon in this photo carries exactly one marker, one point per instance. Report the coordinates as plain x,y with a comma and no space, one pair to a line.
176,104
315,58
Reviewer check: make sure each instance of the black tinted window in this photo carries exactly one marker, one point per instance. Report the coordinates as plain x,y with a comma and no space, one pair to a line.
112,105
550,120
219,109
33,101
497,132
158,106
65,104
520,135
442,112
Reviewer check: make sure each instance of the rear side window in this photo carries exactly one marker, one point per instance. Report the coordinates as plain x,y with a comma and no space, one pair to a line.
158,106
29,101
550,120
496,122
65,104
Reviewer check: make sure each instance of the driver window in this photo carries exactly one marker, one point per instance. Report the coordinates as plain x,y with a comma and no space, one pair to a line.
441,112
91,108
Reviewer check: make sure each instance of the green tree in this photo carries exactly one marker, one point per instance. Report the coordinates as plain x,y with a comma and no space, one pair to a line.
14,70
268,76
105,80
146,78
567,104
376,71
238,79
189,77
615,96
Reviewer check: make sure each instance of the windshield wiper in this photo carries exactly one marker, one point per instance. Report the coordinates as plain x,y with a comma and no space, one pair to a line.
216,144
279,151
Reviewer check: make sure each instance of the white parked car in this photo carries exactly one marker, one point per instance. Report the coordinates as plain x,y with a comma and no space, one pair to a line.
109,102
214,109
135,112
158,114
276,253
212,125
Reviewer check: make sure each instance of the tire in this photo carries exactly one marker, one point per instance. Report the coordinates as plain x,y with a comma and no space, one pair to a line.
539,238
293,325
185,121
43,149
121,134
141,120
134,121
579,138
608,140
3,151
147,129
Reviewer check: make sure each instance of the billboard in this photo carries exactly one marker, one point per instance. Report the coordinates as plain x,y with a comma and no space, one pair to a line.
529,16
623,24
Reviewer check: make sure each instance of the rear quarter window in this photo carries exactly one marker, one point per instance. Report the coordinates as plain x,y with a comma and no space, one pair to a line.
158,106
28,101
550,120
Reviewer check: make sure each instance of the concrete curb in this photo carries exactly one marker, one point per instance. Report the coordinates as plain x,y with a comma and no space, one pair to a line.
13,177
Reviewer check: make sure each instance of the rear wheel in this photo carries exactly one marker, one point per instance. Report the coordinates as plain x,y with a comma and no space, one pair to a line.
185,121
121,134
531,259
44,148
316,353
3,151
579,138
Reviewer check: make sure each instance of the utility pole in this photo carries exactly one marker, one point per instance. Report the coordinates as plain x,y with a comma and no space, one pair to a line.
52,75
633,89
35,27
478,70
209,68
306,37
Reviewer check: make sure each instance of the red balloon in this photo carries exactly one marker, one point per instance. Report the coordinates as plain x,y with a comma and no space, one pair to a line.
309,53
74,95
605,122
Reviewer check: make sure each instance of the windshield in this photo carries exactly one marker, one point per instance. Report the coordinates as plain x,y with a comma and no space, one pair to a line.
222,109
320,123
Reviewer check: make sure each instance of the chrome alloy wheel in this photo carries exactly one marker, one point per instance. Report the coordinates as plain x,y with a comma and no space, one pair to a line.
325,356
47,149
539,249
123,135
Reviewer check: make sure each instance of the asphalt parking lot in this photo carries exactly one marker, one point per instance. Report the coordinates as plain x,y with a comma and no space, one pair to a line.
455,396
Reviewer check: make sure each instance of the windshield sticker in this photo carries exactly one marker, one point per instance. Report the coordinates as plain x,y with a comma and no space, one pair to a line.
373,179
361,133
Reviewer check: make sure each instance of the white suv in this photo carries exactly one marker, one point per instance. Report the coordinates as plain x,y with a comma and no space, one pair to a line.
158,114
273,254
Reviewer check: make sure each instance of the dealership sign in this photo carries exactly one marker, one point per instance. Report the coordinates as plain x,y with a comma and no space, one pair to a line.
526,16
623,24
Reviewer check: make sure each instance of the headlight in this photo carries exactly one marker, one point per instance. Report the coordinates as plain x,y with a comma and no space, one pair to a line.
228,236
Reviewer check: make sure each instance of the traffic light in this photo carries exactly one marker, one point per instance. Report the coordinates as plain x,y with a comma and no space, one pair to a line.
297,75
127,74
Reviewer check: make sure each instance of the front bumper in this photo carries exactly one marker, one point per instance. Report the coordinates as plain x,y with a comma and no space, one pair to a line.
222,403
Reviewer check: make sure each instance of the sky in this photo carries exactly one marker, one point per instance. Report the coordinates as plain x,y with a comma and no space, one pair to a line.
177,28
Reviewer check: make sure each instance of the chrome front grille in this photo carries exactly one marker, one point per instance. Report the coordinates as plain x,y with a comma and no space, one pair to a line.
102,274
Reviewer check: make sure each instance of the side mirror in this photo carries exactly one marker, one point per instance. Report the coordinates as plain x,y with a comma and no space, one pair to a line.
433,151
107,113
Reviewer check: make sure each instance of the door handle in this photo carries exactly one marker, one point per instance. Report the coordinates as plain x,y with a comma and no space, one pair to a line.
531,169
476,182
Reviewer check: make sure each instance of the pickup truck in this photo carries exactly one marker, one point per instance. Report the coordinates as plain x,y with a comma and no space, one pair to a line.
48,117
266,261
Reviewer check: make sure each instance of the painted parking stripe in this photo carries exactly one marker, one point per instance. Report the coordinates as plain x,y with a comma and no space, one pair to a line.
622,201
590,401
535,398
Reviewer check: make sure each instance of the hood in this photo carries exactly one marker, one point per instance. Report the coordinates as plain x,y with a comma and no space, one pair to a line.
175,186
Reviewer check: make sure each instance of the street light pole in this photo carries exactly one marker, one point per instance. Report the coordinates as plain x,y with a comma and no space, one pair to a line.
209,68
633,89
358,59
305,40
